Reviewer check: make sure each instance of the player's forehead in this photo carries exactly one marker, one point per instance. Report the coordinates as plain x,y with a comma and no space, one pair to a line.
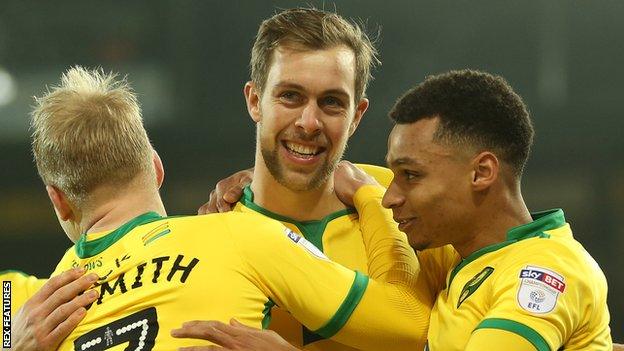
412,144
313,69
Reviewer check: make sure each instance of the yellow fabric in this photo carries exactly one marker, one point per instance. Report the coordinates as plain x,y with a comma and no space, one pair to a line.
232,265
573,315
496,339
23,286
342,241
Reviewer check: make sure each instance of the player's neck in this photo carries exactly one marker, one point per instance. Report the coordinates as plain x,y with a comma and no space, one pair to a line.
113,213
300,205
492,222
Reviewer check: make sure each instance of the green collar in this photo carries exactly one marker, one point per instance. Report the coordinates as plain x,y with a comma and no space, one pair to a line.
542,221
86,249
312,230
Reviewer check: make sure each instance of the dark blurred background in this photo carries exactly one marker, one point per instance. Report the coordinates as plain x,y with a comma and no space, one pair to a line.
188,60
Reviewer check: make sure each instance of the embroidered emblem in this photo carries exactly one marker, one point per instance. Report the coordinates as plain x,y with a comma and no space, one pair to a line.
473,284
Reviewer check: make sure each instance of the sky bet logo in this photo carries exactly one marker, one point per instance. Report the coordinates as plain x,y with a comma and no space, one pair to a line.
6,314
543,277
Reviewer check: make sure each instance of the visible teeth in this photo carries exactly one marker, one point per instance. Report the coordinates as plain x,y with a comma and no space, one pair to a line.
302,149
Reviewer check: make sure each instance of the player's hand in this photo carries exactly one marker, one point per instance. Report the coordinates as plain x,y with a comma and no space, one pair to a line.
348,179
233,337
618,347
227,192
53,312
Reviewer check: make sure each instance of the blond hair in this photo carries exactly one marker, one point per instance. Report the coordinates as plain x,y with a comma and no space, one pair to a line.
88,132
316,30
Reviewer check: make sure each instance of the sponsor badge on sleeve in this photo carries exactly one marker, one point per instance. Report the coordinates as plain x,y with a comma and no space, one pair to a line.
539,289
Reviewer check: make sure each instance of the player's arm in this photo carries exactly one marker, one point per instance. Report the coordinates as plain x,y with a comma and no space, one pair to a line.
326,297
53,312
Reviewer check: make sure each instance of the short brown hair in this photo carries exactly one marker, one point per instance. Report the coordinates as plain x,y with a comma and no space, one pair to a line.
87,132
316,30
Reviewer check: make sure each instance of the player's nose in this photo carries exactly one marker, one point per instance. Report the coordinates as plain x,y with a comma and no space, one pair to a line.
310,119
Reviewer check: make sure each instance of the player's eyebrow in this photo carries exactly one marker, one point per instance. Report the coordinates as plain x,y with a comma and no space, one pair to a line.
289,86
338,92
401,161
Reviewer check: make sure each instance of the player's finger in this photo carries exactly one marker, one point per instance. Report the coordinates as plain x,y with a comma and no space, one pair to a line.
203,330
54,283
219,190
237,324
231,330
63,329
67,292
64,311
234,194
203,348
223,205
202,209
211,205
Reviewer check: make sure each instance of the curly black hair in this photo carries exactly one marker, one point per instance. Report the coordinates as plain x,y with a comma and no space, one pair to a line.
476,109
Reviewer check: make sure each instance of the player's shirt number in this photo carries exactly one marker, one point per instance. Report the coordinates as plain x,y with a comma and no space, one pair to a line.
139,330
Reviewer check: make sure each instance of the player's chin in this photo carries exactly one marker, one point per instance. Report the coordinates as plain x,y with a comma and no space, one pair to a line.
417,242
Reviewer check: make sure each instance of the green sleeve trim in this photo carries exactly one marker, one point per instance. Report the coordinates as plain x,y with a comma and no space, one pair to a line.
345,310
517,328
266,319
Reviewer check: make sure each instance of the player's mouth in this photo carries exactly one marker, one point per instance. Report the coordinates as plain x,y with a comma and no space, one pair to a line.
302,153
404,223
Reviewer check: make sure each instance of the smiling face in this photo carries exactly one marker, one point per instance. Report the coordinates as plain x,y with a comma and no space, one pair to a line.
430,195
305,114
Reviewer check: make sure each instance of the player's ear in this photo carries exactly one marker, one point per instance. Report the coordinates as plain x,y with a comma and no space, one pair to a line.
158,168
485,168
252,97
360,109
60,202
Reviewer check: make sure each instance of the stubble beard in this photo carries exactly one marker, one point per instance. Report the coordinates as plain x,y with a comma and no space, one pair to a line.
279,172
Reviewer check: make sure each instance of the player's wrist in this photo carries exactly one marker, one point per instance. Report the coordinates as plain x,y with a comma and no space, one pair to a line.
368,193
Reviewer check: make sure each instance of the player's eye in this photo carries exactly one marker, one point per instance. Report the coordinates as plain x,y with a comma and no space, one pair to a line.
411,175
290,96
332,101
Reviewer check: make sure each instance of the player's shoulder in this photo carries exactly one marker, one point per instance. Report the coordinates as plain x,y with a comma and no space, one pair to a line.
560,259
559,250
234,222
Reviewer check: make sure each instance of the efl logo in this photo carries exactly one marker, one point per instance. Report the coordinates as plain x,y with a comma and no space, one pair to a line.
6,314
544,277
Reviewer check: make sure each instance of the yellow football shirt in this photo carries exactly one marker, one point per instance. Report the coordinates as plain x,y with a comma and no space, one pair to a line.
156,273
20,288
538,287
339,236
